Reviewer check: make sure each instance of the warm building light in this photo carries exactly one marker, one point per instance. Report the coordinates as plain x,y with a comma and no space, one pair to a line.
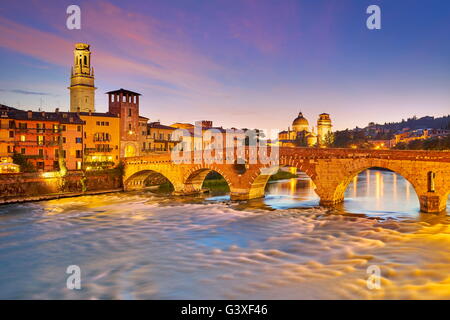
52,174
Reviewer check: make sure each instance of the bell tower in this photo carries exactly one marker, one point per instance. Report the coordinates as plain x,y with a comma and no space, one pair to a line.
82,89
323,127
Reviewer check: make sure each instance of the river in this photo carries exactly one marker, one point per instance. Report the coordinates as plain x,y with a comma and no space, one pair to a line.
140,245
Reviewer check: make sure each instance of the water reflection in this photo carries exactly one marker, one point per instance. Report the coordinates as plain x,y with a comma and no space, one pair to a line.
373,192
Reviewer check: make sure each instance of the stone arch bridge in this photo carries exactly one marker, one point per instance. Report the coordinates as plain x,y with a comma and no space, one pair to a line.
331,170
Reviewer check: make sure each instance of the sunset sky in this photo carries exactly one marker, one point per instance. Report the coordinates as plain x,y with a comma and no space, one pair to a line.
252,63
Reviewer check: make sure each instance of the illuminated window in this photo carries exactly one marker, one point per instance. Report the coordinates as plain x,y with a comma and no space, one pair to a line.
22,138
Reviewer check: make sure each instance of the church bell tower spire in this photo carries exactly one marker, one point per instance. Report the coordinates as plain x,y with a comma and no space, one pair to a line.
82,89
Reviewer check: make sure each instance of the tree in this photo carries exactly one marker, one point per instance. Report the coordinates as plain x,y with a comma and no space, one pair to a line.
25,165
328,140
61,159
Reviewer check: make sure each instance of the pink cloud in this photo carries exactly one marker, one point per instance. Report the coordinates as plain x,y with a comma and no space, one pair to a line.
125,45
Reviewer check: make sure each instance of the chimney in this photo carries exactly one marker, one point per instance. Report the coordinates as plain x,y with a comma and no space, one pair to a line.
30,114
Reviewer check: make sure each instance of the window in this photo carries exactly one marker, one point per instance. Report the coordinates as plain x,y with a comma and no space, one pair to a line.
77,140
55,128
40,140
85,60
63,128
64,139
98,123
129,126
56,153
22,125
9,149
79,128
78,165
78,154
22,150
41,152
143,146
11,134
102,123
107,123
129,112
161,136
22,138
64,153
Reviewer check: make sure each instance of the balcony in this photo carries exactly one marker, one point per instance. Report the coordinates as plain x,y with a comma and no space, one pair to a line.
97,150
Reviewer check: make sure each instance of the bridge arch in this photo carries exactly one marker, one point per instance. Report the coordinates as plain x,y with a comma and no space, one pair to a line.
333,181
339,191
137,180
259,182
195,177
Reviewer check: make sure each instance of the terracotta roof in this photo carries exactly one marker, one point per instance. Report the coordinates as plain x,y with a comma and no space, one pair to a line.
61,117
121,90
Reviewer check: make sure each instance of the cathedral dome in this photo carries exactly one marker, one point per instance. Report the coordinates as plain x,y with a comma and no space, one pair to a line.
300,123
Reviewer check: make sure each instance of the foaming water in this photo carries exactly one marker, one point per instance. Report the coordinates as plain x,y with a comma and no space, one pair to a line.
143,246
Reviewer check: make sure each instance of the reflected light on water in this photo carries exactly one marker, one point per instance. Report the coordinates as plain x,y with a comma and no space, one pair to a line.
373,192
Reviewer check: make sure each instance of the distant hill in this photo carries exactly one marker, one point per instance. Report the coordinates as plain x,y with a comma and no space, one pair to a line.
415,123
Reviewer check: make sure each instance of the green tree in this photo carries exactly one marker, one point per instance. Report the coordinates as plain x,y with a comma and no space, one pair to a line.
329,139
22,161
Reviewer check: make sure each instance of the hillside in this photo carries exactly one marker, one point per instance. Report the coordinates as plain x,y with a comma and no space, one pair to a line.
416,123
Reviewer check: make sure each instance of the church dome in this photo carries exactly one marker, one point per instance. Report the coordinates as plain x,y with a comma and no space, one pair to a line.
300,123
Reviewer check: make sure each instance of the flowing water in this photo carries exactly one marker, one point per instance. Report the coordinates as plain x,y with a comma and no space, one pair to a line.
139,245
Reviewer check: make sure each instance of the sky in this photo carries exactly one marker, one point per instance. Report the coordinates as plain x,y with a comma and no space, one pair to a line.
249,63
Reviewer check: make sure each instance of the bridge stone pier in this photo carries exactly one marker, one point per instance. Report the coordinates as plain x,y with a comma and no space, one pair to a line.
331,170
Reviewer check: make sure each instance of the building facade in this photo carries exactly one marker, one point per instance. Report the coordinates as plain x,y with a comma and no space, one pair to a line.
101,141
41,137
125,105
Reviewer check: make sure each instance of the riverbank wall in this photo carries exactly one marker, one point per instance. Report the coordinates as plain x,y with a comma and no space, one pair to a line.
19,187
